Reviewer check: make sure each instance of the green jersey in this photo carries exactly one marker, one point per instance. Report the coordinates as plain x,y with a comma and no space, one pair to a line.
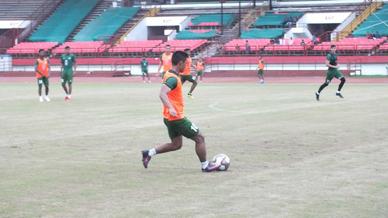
332,58
144,65
68,61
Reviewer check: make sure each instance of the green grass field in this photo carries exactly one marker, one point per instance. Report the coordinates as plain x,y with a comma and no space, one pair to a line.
290,155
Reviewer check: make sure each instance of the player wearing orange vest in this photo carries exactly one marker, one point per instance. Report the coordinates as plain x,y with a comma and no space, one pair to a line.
165,61
177,124
42,69
186,73
200,67
260,69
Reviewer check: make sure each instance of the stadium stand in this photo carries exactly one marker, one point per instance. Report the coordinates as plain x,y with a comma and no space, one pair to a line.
22,10
62,22
212,20
193,45
188,34
83,48
262,33
30,47
135,47
375,24
238,45
271,19
106,25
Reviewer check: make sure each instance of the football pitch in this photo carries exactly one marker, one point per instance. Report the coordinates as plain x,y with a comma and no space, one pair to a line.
291,156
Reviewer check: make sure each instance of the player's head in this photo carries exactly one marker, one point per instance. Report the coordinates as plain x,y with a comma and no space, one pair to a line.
333,48
67,50
260,57
167,48
42,53
187,50
179,60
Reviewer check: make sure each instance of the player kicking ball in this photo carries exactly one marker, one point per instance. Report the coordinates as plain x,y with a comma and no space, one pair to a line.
177,124
42,70
331,63
67,72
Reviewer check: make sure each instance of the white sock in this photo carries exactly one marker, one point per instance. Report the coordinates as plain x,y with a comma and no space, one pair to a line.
204,164
318,93
152,152
338,92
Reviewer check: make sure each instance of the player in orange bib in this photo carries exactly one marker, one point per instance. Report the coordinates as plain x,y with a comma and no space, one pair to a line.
177,124
186,74
165,61
260,69
199,67
42,69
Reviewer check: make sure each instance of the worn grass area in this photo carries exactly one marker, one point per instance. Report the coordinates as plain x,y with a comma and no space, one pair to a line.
291,156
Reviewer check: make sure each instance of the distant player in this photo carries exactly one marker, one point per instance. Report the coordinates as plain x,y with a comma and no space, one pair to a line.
144,70
67,72
199,67
331,63
177,124
42,71
260,69
186,74
165,61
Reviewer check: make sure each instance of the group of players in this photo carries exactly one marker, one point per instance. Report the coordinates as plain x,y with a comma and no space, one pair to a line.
176,70
42,70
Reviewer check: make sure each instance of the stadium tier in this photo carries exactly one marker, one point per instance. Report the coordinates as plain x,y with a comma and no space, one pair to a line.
82,47
106,25
262,33
63,21
271,19
15,10
180,45
374,24
212,20
239,44
30,47
135,46
188,34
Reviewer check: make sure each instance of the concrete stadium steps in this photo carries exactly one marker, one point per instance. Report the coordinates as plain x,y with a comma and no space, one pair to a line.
23,10
97,11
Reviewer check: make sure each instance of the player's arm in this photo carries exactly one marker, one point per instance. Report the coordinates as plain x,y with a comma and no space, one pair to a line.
160,64
74,65
164,98
329,65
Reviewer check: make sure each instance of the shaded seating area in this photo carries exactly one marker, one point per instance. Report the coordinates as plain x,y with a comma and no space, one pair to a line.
63,21
135,47
82,47
376,24
106,25
262,33
276,19
30,47
189,34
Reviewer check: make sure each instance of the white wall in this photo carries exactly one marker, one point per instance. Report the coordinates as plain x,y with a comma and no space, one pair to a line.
140,31
322,18
340,27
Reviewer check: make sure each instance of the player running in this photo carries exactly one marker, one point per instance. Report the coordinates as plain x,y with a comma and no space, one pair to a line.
186,74
331,63
165,61
260,69
200,67
42,71
67,71
177,124
144,70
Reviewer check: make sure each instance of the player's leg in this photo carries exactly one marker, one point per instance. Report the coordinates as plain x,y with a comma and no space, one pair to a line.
64,85
175,144
40,84
183,79
341,77
46,86
148,77
191,131
194,84
328,79
70,84
143,76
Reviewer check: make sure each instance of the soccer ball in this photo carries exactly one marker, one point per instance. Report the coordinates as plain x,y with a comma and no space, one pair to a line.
223,160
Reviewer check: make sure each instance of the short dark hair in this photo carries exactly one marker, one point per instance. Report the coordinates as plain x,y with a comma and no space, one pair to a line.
333,46
167,45
67,47
187,49
40,50
179,56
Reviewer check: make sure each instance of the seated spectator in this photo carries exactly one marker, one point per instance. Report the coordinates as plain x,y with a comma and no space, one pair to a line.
302,43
